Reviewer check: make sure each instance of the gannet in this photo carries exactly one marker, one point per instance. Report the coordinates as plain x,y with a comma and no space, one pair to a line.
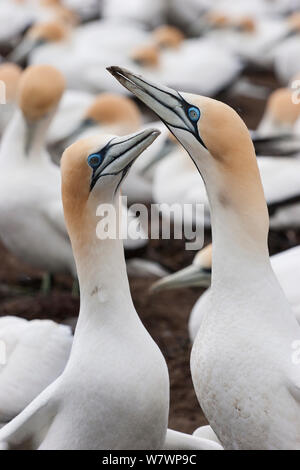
139,12
167,37
286,266
219,66
36,353
281,113
31,222
114,391
243,364
10,75
40,35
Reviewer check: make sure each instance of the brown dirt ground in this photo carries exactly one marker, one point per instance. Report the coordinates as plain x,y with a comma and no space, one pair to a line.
165,315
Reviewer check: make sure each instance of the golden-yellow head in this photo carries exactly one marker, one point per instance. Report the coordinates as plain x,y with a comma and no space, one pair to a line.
40,89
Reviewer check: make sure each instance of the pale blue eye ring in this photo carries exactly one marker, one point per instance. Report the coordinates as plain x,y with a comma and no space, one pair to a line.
194,113
94,160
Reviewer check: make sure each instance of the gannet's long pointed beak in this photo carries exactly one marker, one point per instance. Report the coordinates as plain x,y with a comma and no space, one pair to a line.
22,51
168,104
120,152
192,276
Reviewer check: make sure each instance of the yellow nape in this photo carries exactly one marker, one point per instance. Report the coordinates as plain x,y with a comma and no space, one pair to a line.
146,56
294,21
40,89
168,37
52,31
110,109
281,106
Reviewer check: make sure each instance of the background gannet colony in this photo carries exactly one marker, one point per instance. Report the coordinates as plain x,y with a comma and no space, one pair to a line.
147,341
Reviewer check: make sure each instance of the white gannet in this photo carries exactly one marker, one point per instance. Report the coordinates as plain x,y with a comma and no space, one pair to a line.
41,35
31,215
286,266
244,371
114,391
280,115
135,11
251,37
9,75
36,353
219,66
72,50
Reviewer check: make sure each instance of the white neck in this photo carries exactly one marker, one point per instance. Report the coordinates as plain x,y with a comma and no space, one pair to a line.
19,132
239,224
105,299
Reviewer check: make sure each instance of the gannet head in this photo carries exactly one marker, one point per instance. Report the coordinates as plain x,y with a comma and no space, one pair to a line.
37,35
198,274
246,24
294,21
40,89
93,168
112,110
217,19
168,37
281,108
216,139
204,126
145,56
10,74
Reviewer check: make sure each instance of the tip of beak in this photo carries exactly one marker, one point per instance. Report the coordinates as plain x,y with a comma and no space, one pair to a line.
115,69
124,76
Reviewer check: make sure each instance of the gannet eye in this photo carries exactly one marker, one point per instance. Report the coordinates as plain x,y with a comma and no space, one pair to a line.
194,113
94,160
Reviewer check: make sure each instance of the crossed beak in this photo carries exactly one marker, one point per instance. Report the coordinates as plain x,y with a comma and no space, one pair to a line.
192,276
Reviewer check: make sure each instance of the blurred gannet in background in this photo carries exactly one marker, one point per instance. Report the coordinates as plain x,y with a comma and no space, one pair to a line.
9,74
287,53
286,266
281,113
214,66
108,113
140,12
42,35
69,115
120,397
31,223
71,50
244,348
36,354
251,38
17,16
